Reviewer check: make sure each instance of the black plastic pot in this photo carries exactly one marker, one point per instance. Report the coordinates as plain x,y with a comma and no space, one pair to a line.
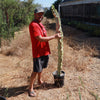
2,98
59,79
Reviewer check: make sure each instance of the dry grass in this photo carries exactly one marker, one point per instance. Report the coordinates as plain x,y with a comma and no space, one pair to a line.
75,55
77,58
19,44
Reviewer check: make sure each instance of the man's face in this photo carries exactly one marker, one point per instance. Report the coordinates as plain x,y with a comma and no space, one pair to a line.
39,16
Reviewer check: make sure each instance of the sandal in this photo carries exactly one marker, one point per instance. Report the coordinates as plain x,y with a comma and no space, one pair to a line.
31,93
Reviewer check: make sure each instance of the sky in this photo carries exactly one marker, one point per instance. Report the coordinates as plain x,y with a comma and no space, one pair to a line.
44,3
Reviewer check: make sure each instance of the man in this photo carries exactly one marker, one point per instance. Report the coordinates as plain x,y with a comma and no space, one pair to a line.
40,47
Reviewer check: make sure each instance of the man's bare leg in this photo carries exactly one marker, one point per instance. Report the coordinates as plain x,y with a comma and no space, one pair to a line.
33,76
39,78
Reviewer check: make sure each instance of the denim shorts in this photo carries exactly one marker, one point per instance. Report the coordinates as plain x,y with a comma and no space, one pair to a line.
40,63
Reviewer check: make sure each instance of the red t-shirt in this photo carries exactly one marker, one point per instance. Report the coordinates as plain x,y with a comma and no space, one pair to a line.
38,48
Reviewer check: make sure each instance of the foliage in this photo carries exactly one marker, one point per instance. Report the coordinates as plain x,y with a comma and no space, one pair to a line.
56,4
92,30
13,15
48,13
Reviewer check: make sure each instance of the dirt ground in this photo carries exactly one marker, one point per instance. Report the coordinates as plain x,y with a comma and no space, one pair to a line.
81,64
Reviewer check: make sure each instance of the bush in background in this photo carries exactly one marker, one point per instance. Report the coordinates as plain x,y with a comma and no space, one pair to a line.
92,30
13,15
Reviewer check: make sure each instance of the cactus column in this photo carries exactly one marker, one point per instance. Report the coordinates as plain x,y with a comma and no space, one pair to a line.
60,41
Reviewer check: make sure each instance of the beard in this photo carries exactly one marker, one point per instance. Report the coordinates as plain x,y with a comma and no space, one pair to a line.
40,19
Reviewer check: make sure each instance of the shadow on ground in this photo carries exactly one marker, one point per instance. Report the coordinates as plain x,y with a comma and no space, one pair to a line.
9,92
45,86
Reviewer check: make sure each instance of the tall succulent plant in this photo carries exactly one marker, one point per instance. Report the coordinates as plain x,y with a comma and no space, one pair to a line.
60,41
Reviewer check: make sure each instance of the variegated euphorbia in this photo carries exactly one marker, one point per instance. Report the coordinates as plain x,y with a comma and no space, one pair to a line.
60,41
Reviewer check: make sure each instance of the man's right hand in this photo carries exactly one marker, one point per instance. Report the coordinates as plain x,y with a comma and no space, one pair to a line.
58,36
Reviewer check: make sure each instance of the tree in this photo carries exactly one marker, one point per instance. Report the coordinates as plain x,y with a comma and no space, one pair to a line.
7,9
14,14
48,13
56,4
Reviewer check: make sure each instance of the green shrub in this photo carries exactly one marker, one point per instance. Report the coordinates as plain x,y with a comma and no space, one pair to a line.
91,29
97,32
13,15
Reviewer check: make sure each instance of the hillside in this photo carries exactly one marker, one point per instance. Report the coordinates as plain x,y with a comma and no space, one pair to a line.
81,65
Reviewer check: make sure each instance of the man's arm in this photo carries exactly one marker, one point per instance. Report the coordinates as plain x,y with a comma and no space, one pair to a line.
45,39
